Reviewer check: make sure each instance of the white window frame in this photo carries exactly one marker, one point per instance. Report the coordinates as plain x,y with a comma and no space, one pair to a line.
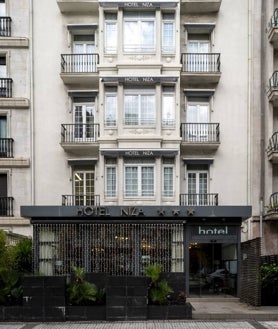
168,115
169,193
111,192
86,135
169,48
83,198
138,34
198,129
139,193
198,200
141,120
112,112
113,35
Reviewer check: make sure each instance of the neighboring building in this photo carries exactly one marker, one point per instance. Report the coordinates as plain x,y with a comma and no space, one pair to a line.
15,115
151,130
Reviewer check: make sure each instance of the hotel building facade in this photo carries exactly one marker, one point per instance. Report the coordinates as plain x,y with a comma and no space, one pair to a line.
148,136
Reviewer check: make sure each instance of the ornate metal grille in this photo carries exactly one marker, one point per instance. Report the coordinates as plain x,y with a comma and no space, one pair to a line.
116,249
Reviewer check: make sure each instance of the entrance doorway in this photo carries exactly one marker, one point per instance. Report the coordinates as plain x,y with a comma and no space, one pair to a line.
212,269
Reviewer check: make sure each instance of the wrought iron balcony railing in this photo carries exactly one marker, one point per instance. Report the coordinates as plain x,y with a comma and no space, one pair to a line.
79,133
273,203
79,63
203,199
6,206
200,132
273,81
200,62
6,87
273,143
5,26
274,20
6,147
81,200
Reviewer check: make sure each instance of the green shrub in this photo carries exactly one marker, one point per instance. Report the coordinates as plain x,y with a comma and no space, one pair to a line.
159,290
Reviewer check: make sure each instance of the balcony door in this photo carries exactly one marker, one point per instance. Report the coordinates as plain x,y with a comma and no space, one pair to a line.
197,187
84,119
84,188
197,118
198,59
3,194
3,136
2,8
84,49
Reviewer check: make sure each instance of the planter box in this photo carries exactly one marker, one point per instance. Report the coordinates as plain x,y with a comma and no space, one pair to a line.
169,312
86,313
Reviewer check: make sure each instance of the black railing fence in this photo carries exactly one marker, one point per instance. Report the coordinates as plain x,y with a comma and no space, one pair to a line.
6,147
6,87
274,19
273,143
81,200
201,62
6,206
79,133
201,199
200,132
5,26
79,63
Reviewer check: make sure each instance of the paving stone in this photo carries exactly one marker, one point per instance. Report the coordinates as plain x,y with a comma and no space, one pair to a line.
270,324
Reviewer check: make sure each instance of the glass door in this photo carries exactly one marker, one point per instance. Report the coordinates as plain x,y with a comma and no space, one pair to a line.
197,187
84,119
197,118
212,269
3,136
198,56
83,49
84,188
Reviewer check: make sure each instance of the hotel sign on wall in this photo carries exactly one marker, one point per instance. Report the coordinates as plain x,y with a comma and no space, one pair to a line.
135,4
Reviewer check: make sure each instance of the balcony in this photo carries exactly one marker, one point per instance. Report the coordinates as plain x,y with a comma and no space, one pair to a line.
273,89
200,136
200,69
80,138
272,149
80,69
200,6
6,147
273,29
272,208
5,26
203,199
6,87
78,6
6,206
81,200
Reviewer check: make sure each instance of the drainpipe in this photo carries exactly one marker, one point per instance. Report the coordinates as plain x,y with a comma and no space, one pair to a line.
32,114
262,150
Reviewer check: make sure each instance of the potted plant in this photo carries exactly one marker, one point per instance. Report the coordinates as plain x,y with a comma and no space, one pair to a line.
86,301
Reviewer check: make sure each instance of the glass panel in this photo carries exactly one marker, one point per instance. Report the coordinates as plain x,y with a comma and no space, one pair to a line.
131,181
213,269
131,109
2,8
147,36
147,181
78,120
110,181
168,38
3,67
110,37
192,188
89,118
131,36
110,110
168,182
168,110
147,110
3,127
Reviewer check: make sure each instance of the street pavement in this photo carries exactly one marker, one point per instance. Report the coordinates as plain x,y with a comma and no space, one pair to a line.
175,324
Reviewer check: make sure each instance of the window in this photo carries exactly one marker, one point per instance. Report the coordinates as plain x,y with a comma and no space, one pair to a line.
3,66
84,187
111,177
168,177
168,33
4,144
110,34
197,118
139,108
197,186
168,107
139,32
84,122
139,178
4,203
111,107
